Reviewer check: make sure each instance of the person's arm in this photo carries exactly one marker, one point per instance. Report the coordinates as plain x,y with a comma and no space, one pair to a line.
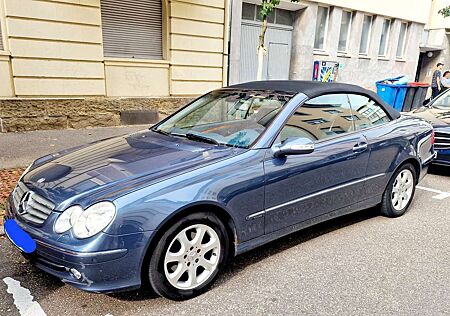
438,81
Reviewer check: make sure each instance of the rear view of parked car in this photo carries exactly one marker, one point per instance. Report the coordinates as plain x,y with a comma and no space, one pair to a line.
233,170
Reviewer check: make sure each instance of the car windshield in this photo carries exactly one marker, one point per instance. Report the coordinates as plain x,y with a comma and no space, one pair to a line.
443,101
226,117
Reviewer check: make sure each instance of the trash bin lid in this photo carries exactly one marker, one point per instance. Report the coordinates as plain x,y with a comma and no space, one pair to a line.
418,84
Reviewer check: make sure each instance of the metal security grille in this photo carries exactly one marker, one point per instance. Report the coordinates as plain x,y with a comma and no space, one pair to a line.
31,206
1,38
132,28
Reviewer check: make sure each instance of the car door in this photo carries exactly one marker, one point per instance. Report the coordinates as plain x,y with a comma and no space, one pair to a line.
386,139
299,188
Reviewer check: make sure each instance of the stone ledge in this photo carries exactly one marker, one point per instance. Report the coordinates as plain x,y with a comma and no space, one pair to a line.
17,115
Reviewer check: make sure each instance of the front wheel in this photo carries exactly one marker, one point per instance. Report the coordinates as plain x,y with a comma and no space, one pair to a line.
189,256
400,192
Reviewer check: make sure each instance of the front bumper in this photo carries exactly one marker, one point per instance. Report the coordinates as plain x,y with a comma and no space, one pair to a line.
443,158
108,263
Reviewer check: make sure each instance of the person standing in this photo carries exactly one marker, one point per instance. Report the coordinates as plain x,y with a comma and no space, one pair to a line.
436,85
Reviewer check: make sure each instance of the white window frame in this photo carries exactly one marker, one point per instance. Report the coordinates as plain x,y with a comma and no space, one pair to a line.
388,38
404,41
325,35
347,41
369,36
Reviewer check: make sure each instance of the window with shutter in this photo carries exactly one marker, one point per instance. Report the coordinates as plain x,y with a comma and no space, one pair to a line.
132,28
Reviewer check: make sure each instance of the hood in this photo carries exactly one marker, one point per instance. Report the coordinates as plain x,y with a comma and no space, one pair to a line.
437,117
121,164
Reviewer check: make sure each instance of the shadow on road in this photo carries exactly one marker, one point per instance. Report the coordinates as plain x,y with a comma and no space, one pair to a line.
294,239
439,170
270,249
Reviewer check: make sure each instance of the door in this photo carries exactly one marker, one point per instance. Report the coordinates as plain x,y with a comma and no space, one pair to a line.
299,188
386,139
276,63
279,57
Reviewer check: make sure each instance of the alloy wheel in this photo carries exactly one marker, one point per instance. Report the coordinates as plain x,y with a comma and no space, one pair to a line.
402,189
192,257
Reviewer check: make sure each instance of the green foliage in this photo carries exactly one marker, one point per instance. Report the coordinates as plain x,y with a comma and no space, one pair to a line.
444,11
267,6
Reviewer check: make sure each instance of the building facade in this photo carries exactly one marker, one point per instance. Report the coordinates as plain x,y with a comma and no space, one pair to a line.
435,45
366,40
107,49
78,63
68,48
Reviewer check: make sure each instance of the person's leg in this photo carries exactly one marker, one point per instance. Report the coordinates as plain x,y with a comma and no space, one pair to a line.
435,92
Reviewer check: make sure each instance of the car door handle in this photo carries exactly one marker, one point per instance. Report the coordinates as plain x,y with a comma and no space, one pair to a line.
360,147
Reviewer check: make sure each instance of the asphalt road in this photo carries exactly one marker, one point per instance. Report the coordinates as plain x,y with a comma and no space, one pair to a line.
362,264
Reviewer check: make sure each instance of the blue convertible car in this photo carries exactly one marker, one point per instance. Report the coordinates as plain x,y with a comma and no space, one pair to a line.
233,170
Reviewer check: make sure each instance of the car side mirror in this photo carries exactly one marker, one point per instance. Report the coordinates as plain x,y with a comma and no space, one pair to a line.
294,146
427,103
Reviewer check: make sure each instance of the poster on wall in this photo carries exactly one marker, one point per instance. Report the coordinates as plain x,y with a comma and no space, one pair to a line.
325,71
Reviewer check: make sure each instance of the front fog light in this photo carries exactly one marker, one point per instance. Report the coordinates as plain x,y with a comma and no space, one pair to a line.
94,219
67,219
77,274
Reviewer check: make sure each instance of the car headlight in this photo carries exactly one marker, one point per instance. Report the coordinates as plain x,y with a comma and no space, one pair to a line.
94,219
67,219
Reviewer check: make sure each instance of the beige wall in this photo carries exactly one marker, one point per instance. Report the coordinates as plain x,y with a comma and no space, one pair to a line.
438,21
56,49
6,87
131,78
197,29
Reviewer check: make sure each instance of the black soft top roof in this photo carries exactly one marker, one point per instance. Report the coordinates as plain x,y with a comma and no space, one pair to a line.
313,89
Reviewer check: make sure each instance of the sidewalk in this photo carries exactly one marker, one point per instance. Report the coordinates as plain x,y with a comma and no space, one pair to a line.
18,150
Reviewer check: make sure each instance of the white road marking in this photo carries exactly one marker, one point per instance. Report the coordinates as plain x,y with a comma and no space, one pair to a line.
23,299
440,194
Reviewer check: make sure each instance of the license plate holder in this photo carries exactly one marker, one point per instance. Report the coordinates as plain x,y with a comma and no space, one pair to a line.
18,237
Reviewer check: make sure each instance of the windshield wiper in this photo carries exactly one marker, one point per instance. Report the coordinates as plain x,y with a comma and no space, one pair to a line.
190,136
202,138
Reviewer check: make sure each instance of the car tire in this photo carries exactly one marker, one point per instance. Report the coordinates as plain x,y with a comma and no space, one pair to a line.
399,192
182,266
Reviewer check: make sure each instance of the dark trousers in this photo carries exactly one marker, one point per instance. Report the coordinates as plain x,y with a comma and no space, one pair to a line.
434,92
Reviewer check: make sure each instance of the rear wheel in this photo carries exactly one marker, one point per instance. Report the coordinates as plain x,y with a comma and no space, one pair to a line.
189,256
400,192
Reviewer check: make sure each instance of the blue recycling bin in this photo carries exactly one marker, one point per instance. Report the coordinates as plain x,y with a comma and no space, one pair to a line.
392,94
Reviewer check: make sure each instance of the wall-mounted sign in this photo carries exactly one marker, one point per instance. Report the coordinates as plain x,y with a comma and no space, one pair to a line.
325,71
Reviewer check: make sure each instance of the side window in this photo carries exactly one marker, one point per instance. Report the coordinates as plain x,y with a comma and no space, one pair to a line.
443,101
320,118
367,112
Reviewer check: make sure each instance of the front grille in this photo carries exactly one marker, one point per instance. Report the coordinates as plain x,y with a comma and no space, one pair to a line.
442,141
30,206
